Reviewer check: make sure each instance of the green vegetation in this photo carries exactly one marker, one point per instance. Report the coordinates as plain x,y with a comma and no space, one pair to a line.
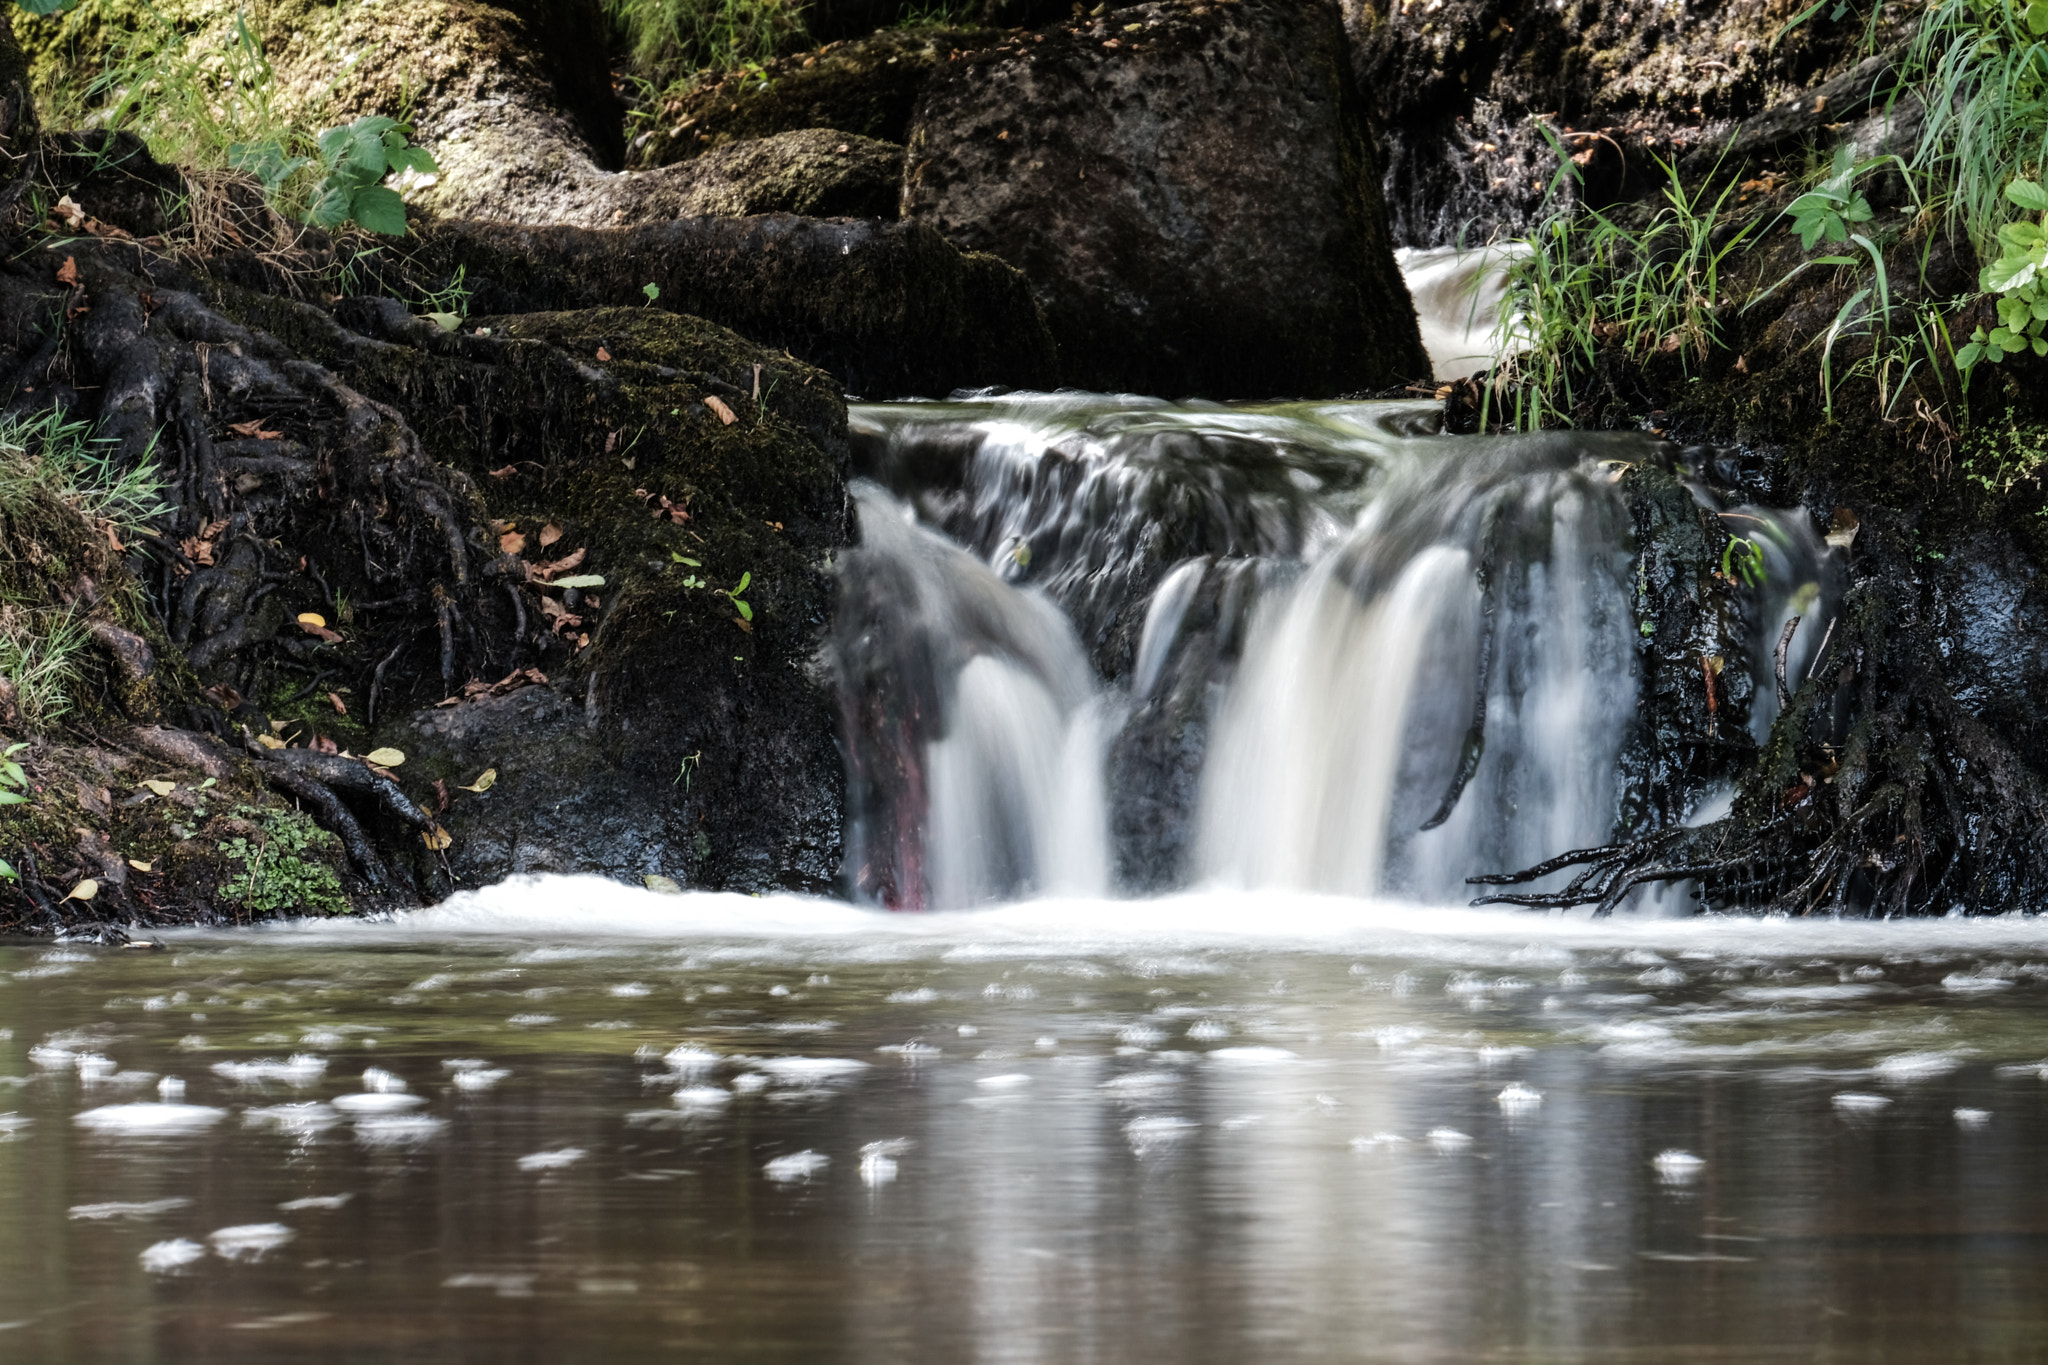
13,792
286,868
668,40
43,454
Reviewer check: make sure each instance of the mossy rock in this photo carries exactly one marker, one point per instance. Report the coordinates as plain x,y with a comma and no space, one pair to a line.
866,86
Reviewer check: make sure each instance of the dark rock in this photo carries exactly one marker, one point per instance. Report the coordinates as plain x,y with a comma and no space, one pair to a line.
892,309
816,172
1191,190
868,86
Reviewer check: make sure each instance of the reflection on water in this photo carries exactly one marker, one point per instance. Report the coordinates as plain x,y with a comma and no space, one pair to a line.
569,1121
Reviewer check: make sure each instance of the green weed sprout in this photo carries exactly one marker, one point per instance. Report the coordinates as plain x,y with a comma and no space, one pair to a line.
357,156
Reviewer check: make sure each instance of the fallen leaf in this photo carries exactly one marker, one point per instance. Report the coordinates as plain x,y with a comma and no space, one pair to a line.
323,745
70,212
512,542
113,539
549,534
484,781
277,726
386,758
160,787
745,625
437,838
270,741
312,620
507,472
562,565
579,580
84,891
440,795
603,354
254,428
717,405
340,706
67,273
661,885
140,866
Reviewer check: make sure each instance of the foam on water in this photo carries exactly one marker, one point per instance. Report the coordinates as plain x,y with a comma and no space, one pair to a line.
753,928
150,1120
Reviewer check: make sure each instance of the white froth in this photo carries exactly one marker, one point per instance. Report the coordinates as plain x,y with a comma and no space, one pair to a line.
1251,1056
327,1202
299,1069
1852,1102
559,1159
1448,1140
170,1257
150,1120
249,1241
146,1209
1972,1118
797,1166
298,1119
1676,1167
810,1071
1156,1133
479,1078
1909,1067
377,1102
1517,1098
400,1130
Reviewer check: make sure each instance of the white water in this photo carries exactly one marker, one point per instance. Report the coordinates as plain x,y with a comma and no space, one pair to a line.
1458,295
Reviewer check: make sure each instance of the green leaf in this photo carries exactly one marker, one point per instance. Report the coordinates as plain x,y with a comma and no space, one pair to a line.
1993,352
330,210
2005,339
578,580
685,559
377,209
2021,234
12,799
1859,210
2026,193
746,612
745,578
1969,356
1810,232
2007,273
11,773
47,7
447,322
2040,345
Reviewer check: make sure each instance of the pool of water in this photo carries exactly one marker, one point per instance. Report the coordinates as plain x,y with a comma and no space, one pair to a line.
563,1120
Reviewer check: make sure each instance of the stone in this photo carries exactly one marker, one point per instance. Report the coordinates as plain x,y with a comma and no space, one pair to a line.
1192,191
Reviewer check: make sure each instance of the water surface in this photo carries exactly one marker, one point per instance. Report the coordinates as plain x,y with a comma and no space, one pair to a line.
1210,1128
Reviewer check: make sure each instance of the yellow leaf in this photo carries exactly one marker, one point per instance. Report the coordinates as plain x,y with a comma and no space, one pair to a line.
270,741
385,758
161,788
313,619
141,866
664,885
437,838
84,891
483,783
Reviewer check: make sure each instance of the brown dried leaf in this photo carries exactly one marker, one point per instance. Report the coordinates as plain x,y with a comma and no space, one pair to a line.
603,354
67,273
440,795
717,405
512,542
549,534
507,472
254,427
340,707
560,566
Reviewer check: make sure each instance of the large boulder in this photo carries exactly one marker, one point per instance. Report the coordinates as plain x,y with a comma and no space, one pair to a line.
1191,189
891,308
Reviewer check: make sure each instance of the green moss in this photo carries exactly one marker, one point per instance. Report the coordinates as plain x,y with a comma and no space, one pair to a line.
285,867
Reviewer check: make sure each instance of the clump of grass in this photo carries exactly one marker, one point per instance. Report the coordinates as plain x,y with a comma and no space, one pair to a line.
62,494
1589,281
1981,69
668,40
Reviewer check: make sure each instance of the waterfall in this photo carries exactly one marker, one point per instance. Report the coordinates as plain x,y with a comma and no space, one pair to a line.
1103,642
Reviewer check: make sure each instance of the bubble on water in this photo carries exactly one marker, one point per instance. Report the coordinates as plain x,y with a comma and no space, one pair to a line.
506,1286
702,1097
1045,1043
249,1241
812,1071
52,1058
689,1059
878,1160
797,1166
170,1088
171,1257
298,1119
377,1102
1972,1118
1380,1142
1448,1140
559,1159
473,1079
1395,1036
1641,957
322,1037
146,1209
1851,1102
1677,1167
1208,1031
749,1083
1868,973
1010,1080
1908,1067
1141,1086
1140,1036
1252,1056
1494,1055
299,1069
150,1120
1158,1133
531,1020
967,1031
778,990
1517,1098
402,1130
326,1202
1972,983
912,1051
916,995
629,990
378,1081
1661,977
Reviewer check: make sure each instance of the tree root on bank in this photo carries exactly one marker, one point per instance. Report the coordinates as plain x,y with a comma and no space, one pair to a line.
1877,793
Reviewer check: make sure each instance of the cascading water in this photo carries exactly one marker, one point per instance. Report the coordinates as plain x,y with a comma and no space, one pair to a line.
1097,641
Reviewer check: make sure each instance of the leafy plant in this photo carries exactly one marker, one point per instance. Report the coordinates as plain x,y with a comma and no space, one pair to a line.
2020,279
1828,210
13,792
1743,561
670,39
287,867
1980,70
733,595
355,158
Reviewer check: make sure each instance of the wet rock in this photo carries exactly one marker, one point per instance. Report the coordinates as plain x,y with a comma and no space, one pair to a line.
892,309
1190,190
817,172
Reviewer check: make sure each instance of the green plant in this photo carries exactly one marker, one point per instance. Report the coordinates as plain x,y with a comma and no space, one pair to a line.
355,158
13,792
1743,561
43,453
2020,279
733,595
287,867
1588,281
40,654
447,307
1980,69
651,290
670,39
